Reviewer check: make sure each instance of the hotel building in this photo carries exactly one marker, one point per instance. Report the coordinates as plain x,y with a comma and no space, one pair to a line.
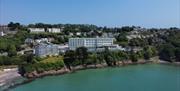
92,44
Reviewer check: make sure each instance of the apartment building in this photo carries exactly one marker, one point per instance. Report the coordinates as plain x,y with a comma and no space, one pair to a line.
92,44
43,50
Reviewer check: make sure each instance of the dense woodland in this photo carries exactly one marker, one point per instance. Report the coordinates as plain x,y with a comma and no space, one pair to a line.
164,43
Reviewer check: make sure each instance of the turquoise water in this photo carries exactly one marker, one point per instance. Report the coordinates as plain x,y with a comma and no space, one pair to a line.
150,77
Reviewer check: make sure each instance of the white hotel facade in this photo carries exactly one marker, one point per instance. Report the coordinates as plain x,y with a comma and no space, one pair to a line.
40,30
36,30
92,44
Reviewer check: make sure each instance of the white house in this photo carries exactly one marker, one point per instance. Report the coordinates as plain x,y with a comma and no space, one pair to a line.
2,33
36,30
54,30
78,33
42,40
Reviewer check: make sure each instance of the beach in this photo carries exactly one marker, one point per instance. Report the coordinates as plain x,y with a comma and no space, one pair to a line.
8,75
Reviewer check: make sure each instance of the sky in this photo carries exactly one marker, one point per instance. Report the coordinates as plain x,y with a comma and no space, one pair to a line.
111,13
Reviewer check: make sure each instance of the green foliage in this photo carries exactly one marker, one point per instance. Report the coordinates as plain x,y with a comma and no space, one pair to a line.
95,58
82,54
133,57
7,43
177,54
11,50
107,57
112,57
138,42
69,57
127,28
14,60
122,37
149,52
92,59
123,55
167,52
140,54
14,26
41,67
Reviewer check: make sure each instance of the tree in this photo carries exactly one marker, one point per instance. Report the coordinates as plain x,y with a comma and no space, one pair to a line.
69,57
167,52
177,54
122,37
12,50
3,45
14,26
107,57
5,60
29,58
82,54
127,28
133,57
148,53
122,56
100,57
95,58
115,57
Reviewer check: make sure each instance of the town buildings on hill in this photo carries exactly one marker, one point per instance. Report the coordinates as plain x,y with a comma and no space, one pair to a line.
43,49
50,30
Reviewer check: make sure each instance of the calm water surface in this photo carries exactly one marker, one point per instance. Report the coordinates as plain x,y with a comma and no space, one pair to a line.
150,77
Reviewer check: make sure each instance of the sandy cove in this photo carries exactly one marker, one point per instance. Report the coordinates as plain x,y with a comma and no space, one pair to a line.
7,75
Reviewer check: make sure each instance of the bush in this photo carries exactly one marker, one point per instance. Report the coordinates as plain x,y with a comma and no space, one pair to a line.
41,67
134,57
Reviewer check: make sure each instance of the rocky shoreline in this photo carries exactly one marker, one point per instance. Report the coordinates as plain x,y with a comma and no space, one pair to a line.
65,70
33,75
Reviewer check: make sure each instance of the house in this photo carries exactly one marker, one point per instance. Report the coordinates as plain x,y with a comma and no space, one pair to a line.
45,40
134,49
63,48
54,30
29,41
78,33
36,30
1,33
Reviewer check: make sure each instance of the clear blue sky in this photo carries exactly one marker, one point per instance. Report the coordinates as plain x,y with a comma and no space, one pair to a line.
111,13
